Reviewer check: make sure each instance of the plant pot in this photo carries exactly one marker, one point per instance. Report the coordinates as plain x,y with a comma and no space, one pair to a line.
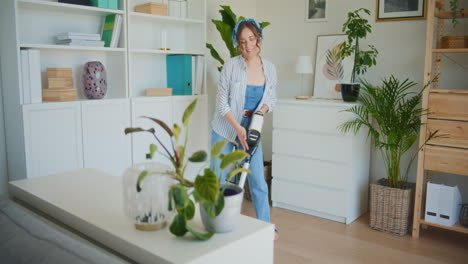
228,219
350,91
391,208
148,208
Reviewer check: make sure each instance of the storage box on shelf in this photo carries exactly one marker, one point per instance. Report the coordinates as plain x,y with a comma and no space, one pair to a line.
152,8
48,138
447,113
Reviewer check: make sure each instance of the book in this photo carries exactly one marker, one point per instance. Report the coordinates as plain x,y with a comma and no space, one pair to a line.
81,42
35,82
25,92
76,35
199,74
179,74
111,30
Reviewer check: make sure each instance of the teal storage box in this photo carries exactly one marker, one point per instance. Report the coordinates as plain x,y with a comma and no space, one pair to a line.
179,74
100,3
113,4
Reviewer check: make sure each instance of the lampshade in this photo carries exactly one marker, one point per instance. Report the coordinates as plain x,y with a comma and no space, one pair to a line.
304,64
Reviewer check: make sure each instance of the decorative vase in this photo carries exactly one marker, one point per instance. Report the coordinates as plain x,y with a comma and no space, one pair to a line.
148,209
228,219
350,92
94,80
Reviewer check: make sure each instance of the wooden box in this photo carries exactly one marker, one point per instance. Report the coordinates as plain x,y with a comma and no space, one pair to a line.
455,42
59,72
152,8
158,91
58,95
60,82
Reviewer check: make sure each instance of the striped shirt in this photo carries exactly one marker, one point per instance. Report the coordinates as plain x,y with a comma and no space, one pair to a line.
230,95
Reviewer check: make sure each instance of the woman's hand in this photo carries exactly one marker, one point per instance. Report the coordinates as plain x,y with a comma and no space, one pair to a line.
242,135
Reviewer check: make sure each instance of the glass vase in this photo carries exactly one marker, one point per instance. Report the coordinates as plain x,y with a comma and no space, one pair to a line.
94,80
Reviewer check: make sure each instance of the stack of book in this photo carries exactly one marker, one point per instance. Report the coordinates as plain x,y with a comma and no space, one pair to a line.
60,85
111,30
79,39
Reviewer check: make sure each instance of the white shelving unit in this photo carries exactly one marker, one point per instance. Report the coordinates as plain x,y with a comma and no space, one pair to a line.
134,65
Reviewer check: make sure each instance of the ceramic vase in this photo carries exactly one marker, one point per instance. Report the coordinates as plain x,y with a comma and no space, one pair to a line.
148,208
94,80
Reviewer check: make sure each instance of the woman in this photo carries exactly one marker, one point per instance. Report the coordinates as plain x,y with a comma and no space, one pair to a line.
247,85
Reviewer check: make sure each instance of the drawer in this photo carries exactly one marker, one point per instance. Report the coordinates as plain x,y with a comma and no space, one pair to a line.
323,147
456,133
452,106
317,118
305,196
445,159
314,172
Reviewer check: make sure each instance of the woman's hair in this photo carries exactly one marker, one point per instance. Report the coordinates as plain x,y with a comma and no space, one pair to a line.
256,31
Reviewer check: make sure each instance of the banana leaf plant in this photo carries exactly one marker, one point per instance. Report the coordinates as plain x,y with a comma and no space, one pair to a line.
225,26
393,116
206,189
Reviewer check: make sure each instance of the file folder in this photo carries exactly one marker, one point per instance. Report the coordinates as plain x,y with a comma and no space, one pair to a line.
179,74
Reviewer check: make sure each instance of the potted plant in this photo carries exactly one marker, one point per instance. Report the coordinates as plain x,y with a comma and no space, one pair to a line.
205,190
225,28
356,27
393,116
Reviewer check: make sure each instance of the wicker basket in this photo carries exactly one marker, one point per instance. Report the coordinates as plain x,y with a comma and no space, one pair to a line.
390,208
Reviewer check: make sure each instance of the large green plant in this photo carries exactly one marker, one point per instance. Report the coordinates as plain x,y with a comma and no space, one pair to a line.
205,190
357,27
393,116
225,26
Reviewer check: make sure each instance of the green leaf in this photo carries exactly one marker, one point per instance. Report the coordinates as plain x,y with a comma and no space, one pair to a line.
176,131
228,16
218,147
180,196
214,53
178,226
219,204
236,171
198,156
153,148
188,113
141,177
232,158
129,130
264,24
199,235
225,31
160,123
207,186
210,209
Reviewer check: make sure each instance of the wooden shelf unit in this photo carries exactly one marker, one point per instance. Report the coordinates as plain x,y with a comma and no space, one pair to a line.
447,112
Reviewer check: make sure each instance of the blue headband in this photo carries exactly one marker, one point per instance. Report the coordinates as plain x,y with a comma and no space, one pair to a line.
234,32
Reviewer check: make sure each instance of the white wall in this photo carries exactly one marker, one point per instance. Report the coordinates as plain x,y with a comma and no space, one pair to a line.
3,164
401,47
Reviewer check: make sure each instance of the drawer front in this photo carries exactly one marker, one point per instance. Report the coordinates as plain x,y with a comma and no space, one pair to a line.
323,119
444,159
325,200
311,145
315,172
448,106
455,133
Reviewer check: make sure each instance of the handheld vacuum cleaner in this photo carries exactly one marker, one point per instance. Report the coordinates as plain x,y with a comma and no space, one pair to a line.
253,141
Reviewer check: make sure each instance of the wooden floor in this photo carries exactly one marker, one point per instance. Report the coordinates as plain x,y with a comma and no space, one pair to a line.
309,239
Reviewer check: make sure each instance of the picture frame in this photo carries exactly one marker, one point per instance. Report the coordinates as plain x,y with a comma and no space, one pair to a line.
398,10
316,10
331,70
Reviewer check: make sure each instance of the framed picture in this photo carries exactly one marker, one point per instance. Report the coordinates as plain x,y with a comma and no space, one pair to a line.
330,69
316,10
395,10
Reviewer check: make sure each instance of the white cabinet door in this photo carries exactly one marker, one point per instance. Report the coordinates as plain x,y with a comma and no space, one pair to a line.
155,107
105,145
52,134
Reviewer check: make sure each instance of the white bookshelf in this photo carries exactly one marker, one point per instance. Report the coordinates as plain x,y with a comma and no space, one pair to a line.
134,65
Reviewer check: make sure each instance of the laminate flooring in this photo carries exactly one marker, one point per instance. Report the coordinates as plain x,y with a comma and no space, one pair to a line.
309,239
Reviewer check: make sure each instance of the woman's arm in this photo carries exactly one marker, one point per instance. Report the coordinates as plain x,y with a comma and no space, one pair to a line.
240,130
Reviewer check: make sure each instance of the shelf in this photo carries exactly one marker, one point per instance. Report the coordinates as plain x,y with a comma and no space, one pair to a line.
450,50
454,91
168,19
448,15
64,47
457,227
156,51
62,7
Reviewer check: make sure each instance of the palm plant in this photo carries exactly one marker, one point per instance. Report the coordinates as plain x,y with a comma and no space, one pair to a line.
225,28
393,116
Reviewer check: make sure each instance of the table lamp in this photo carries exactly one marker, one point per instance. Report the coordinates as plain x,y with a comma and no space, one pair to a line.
303,66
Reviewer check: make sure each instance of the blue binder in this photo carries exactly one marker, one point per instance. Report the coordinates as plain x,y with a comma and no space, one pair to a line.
179,74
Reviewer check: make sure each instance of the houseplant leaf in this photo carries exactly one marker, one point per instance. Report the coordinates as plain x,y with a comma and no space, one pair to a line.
199,235
233,157
129,130
188,113
207,186
218,147
198,156
153,148
162,124
178,226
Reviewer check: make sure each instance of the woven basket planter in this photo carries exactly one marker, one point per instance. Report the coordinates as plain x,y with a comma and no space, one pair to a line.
391,208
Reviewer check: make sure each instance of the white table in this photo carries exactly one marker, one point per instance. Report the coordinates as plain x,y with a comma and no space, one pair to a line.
91,202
